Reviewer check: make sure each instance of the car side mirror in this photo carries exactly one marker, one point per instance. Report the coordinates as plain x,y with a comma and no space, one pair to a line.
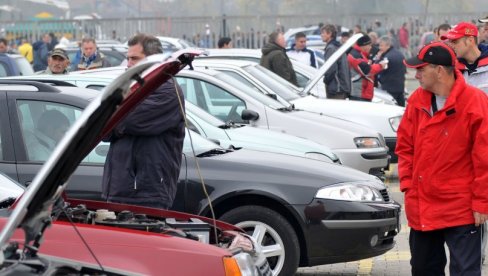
249,115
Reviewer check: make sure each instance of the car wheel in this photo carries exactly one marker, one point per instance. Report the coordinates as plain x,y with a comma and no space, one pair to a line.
273,232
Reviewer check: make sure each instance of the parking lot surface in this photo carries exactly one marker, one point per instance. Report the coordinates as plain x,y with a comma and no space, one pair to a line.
395,262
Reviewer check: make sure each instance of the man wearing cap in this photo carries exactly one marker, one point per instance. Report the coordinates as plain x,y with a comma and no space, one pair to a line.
443,165
473,58
57,63
362,71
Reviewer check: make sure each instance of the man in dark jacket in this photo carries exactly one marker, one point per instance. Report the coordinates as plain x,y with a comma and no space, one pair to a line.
275,59
143,162
337,79
41,51
392,78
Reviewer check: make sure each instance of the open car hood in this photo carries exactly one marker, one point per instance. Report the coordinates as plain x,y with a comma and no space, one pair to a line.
327,64
34,208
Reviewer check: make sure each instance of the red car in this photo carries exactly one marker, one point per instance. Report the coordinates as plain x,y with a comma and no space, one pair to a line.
83,238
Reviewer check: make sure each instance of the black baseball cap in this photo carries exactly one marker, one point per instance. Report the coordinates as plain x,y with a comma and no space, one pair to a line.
438,53
59,52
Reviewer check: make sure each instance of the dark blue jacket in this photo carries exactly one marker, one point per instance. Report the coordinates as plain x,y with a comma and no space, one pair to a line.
338,78
392,79
143,162
41,51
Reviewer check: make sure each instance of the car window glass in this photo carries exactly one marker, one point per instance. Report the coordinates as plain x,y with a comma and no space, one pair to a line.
247,87
302,80
213,99
3,70
276,83
43,124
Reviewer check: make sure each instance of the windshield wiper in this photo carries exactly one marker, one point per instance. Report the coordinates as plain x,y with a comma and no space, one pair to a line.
212,152
230,124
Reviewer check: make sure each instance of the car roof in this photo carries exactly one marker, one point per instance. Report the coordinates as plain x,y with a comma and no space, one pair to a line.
20,86
226,62
233,52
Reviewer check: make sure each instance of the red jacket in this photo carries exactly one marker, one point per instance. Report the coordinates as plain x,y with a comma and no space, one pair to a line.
443,159
359,63
403,37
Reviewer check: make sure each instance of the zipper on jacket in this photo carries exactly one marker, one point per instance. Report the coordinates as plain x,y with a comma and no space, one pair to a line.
135,184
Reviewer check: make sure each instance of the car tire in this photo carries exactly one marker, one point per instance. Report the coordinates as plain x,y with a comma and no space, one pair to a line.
273,232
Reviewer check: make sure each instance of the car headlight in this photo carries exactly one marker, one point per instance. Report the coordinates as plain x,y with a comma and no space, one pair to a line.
367,142
395,122
321,157
350,192
245,264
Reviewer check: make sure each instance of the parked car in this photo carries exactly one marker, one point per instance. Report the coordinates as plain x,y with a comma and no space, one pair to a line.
227,99
383,118
303,72
295,207
226,134
97,247
14,65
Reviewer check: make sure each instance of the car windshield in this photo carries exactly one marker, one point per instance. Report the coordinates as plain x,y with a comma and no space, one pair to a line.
277,84
187,44
203,115
245,86
25,68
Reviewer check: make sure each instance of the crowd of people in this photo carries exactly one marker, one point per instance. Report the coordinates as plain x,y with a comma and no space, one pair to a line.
46,57
443,136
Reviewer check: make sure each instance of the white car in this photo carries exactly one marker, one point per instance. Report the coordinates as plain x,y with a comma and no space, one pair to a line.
303,72
380,117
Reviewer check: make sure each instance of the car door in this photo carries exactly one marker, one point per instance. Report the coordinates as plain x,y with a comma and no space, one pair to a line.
7,159
213,99
33,143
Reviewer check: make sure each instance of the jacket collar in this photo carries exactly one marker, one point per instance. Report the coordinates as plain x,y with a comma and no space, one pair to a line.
357,48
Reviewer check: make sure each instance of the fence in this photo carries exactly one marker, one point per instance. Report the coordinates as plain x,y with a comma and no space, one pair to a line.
246,31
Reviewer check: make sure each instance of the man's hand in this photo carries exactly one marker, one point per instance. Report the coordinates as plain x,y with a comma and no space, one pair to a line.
479,218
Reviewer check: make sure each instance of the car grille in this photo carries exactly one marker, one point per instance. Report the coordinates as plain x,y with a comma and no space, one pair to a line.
385,195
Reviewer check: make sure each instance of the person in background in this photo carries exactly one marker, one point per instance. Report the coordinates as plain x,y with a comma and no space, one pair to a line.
144,158
91,58
337,79
3,45
442,159
473,58
54,41
484,31
299,51
344,37
274,58
224,43
41,51
58,63
441,30
357,29
26,50
392,77
362,71
403,40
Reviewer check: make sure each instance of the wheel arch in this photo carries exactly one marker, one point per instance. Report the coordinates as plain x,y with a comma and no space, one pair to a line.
265,200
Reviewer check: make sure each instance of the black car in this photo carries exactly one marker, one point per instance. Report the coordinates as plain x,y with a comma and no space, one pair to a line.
303,212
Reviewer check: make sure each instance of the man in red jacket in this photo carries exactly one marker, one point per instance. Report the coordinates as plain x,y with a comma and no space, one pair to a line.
362,70
443,165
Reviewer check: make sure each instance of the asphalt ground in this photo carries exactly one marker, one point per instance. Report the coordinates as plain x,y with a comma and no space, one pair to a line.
395,262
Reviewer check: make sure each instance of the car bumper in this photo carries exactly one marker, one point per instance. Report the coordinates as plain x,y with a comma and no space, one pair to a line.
391,143
366,160
334,235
